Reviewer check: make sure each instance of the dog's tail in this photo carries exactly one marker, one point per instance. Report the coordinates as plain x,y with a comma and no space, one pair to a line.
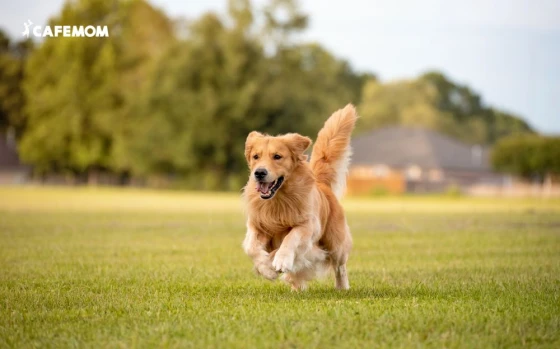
331,154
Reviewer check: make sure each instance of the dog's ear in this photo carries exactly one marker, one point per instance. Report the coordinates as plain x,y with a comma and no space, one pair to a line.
249,143
298,144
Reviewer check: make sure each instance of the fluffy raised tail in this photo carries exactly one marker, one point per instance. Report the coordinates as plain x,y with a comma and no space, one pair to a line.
331,154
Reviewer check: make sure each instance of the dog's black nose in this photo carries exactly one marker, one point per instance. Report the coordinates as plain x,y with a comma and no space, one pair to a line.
260,173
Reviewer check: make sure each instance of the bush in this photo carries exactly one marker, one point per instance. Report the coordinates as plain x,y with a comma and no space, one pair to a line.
527,156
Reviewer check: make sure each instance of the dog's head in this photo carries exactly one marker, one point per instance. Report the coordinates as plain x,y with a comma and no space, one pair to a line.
272,159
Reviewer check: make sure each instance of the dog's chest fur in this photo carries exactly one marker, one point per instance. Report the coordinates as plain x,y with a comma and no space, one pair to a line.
274,219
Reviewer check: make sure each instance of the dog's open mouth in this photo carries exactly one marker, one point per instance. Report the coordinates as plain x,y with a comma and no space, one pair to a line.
268,190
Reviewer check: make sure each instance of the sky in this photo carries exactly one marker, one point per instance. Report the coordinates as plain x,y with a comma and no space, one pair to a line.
506,50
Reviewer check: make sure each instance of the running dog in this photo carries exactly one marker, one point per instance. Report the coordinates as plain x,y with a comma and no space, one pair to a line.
295,223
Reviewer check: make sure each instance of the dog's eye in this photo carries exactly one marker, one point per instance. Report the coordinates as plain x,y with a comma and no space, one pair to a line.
277,157
256,157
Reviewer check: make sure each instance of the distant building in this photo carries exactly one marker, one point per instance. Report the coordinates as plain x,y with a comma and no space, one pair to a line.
12,171
416,160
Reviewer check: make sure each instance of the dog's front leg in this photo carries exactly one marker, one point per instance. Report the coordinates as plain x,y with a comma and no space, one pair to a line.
298,242
254,246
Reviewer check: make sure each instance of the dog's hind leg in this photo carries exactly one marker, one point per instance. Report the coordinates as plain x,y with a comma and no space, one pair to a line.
339,260
339,257
341,277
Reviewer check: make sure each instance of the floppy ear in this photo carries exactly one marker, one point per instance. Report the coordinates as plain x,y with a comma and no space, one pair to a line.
298,144
249,143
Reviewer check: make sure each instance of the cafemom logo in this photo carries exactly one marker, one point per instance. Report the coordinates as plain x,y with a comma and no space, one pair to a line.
64,31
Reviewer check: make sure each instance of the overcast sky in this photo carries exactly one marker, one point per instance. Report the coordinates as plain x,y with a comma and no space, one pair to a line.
507,50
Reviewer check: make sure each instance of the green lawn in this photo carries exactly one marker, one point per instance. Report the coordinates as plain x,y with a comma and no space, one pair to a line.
137,268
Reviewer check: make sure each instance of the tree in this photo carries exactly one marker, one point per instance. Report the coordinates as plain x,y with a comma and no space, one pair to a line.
75,97
219,83
196,106
79,89
435,102
12,99
528,156
140,47
305,84
483,124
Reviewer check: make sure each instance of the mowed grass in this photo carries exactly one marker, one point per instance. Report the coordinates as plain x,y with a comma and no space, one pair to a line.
107,268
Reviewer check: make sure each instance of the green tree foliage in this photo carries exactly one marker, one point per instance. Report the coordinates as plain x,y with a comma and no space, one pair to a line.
216,85
78,88
12,98
192,117
528,156
435,102
140,46
144,103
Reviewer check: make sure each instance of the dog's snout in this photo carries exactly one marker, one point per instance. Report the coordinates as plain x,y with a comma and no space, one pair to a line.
260,173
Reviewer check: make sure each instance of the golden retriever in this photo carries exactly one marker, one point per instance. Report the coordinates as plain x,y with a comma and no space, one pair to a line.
295,224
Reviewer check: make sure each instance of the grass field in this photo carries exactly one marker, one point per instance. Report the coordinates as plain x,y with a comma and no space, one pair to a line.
114,268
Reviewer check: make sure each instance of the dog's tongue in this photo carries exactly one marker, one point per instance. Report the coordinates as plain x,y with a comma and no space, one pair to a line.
263,187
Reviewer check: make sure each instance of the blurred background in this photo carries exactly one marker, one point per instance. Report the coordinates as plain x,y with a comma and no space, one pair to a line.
454,96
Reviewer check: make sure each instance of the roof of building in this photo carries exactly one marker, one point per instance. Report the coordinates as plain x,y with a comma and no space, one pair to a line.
403,146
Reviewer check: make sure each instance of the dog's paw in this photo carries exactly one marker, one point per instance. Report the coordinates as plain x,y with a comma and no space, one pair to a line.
283,262
266,270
